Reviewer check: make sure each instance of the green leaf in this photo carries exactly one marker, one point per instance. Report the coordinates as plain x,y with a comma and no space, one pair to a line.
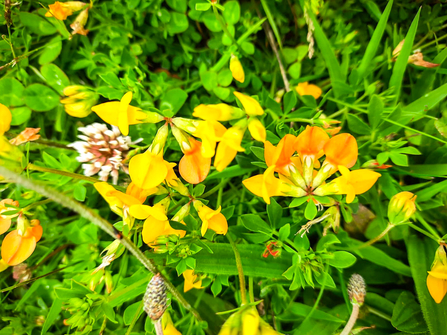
51,51
420,256
232,12
55,310
37,24
399,159
108,311
20,115
178,23
407,315
254,223
290,101
356,125
178,5
133,311
12,92
298,202
402,60
311,210
342,259
203,6
284,232
326,241
299,309
79,192
230,172
272,23
274,212
55,77
429,192
211,22
40,98
441,127
112,79
173,100
375,110
422,105
374,43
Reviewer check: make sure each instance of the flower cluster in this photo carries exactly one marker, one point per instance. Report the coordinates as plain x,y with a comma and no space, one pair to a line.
62,10
297,174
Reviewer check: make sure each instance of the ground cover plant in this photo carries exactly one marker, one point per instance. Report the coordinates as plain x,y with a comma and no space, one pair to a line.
223,167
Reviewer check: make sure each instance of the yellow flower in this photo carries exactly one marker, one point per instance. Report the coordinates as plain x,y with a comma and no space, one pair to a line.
61,10
211,219
236,69
218,112
251,105
257,129
229,145
79,100
5,220
437,277
5,119
401,207
210,132
168,326
191,281
308,89
267,185
120,113
79,23
350,183
148,170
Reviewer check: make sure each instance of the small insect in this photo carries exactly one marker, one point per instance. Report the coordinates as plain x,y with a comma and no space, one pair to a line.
118,234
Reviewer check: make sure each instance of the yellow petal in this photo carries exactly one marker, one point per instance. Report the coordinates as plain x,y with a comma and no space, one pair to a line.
257,130
362,180
147,171
152,229
224,156
5,119
254,184
190,280
142,212
437,288
123,119
105,190
108,112
251,106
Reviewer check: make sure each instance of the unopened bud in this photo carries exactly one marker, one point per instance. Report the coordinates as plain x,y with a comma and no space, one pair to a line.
236,69
402,206
155,298
357,289
160,139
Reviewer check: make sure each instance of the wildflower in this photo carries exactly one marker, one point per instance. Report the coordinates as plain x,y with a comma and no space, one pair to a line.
257,129
230,145
61,10
79,100
121,113
246,321
104,150
193,167
191,280
309,89
236,69
251,106
156,222
5,220
401,207
339,150
79,23
267,185
309,145
5,119
350,183
211,219
437,277
168,326
272,248
148,170
28,135
19,244
218,112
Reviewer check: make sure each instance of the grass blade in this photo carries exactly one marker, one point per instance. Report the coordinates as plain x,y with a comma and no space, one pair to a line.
272,22
373,45
402,60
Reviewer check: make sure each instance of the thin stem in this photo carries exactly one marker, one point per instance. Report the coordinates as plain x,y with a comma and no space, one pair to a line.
97,220
158,327
240,271
33,167
352,320
422,231
427,226
250,289
375,239
320,295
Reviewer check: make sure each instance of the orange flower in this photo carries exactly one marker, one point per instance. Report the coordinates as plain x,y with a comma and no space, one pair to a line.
308,89
340,150
28,135
19,244
59,11
5,220
79,23
267,185
191,281
309,145
211,219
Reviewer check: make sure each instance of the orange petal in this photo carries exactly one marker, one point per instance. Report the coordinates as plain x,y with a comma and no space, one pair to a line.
194,167
37,231
341,149
5,224
311,141
16,249
224,156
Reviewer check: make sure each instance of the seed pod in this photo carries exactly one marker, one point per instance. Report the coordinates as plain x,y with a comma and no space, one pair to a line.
155,298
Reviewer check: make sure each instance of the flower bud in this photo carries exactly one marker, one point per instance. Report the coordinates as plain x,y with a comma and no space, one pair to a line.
437,276
401,207
160,140
79,100
182,213
357,289
236,69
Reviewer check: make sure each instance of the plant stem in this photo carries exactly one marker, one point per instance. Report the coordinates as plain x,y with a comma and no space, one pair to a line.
33,167
97,220
224,26
375,239
422,231
427,226
250,289
240,271
352,320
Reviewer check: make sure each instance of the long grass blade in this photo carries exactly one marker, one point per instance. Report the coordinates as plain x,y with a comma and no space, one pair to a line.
272,22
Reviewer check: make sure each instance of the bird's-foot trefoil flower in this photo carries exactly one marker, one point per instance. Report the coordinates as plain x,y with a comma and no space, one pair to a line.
193,167
79,100
251,105
437,276
236,69
218,112
350,183
309,89
28,135
5,119
79,23
309,145
230,145
191,280
19,244
267,185
401,207
62,10
342,150
257,129
121,114
211,219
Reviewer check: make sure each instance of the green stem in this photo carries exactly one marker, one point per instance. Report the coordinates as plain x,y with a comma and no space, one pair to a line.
428,227
250,289
422,231
320,295
223,25
240,271
375,239
33,167
97,220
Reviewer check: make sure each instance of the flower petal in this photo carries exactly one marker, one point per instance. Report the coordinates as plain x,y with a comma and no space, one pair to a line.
251,105
16,249
437,288
147,171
